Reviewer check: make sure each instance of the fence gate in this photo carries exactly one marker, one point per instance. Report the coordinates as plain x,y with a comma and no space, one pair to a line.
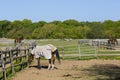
87,48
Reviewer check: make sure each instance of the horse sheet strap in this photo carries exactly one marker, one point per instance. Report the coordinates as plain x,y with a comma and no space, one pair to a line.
42,51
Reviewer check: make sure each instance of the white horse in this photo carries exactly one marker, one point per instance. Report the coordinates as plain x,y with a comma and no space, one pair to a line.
46,51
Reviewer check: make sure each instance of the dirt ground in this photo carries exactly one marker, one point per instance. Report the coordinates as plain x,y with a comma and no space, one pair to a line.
73,70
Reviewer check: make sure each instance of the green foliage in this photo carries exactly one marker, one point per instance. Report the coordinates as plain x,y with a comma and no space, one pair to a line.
59,30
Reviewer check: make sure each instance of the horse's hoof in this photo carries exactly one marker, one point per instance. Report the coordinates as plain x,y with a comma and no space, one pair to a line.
48,69
52,68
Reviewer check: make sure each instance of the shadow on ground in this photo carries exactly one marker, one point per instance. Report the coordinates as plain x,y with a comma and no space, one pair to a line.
104,72
44,67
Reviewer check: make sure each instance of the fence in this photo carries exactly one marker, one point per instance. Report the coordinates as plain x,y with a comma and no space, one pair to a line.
88,48
13,60
82,48
68,50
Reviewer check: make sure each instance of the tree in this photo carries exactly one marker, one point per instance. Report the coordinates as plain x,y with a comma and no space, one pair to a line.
59,29
109,28
39,24
71,22
96,30
3,28
14,28
44,32
55,22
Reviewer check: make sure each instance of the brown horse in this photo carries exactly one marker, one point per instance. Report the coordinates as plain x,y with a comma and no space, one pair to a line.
113,41
44,51
18,40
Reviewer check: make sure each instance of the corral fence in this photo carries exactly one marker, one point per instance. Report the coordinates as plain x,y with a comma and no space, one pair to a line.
13,59
82,48
89,47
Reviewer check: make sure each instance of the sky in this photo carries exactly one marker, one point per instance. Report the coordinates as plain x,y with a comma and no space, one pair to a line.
52,10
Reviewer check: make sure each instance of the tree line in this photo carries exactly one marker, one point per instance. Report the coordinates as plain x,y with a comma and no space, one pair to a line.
59,29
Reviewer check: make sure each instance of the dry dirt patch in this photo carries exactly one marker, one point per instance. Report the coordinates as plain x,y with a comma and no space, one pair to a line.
73,70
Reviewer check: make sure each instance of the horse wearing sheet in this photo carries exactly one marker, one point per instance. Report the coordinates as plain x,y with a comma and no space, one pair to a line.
42,51
46,51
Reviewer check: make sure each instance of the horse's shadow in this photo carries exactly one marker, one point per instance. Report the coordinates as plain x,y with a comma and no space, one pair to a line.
42,67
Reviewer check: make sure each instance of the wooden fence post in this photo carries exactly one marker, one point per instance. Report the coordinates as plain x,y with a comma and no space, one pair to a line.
79,53
62,52
3,66
11,61
21,60
27,54
96,50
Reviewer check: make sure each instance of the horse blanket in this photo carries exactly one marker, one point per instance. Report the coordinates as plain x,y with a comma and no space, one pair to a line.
42,51
53,48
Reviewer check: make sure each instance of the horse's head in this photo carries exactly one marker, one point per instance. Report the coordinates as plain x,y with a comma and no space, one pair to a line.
30,57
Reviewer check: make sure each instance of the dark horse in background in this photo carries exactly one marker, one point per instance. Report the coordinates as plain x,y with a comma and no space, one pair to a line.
112,42
18,40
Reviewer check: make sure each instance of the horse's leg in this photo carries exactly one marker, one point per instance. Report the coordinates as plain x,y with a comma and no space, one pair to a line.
49,64
39,65
53,61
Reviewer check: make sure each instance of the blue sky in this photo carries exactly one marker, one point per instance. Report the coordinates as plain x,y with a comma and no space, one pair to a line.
50,10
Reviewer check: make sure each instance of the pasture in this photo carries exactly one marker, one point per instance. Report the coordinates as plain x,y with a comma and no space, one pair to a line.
79,62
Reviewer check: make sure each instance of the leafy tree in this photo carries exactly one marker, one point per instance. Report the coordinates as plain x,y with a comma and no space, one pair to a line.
3,27
14,28
45,31
39,24
55,22
71,22
57,29
96,30
109,27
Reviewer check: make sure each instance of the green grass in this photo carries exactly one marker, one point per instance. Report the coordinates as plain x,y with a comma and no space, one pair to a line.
79,58
91,57
57,42
108,52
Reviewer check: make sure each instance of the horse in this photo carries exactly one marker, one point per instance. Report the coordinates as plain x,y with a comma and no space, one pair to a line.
47,51
18,40
113,41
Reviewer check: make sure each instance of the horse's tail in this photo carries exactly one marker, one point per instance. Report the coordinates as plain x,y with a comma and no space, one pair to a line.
57,55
